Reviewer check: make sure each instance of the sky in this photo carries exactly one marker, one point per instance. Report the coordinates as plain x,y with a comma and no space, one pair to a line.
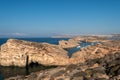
45,18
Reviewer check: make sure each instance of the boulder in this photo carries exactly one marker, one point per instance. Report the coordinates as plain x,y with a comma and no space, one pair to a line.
20,53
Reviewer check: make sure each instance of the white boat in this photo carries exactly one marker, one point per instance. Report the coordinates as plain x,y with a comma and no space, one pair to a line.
78,46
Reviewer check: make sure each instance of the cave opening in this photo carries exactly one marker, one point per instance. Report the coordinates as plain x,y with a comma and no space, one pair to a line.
34,64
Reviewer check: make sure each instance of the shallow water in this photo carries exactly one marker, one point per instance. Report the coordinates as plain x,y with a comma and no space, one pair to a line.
6,72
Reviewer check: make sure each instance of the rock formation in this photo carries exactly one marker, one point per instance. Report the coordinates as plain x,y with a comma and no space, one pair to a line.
96,62
19,53
106,68
69,44
95,51
92,39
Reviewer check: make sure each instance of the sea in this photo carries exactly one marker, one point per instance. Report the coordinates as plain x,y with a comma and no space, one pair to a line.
48,40
10,71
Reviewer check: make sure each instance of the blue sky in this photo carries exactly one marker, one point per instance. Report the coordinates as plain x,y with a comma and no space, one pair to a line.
43,18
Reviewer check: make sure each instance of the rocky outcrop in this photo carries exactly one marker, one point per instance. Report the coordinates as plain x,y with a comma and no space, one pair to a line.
19,53
69,44
92,39
76,41
96,62
96,51
106,68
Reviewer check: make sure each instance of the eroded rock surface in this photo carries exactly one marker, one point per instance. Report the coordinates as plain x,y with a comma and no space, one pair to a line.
96,62
69,44
96,51
93,38
19,52
106,68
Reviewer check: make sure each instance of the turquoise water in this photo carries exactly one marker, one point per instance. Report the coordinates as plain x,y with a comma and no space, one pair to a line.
1,77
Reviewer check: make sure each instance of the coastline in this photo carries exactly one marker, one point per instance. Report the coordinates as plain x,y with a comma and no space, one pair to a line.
76,53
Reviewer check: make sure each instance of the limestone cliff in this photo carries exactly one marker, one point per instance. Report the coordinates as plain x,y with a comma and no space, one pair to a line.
19,53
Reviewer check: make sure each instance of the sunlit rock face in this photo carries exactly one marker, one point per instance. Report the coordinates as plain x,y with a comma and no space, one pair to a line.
105,68
97,51
92,39
99,61
69,44
19,53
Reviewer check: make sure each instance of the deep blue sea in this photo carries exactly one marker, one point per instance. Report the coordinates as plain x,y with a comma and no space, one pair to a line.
48,40
14,71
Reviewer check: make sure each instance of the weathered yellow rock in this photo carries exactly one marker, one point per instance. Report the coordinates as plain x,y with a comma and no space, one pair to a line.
69,44
95,51
18,53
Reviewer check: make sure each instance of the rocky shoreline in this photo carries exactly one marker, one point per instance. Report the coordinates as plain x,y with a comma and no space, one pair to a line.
97,62
106,68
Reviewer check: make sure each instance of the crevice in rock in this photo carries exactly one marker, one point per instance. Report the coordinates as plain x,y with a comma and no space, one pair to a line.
27,65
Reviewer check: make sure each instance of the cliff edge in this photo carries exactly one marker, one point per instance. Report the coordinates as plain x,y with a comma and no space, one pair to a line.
20,53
